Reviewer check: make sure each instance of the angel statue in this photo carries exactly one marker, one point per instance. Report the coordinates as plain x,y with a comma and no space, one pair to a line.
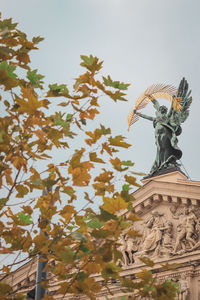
167,124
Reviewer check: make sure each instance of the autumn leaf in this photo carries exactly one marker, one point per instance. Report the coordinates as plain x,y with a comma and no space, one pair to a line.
6,269
131,180
113,205
3,201
21,191
67,212
37,39
111,271
118,164
92,268
118,142
91,63
147,261
93,157
115,84
133,233
145,275
56,90
172,266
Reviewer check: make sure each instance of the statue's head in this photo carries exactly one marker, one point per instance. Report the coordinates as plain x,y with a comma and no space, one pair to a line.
163,109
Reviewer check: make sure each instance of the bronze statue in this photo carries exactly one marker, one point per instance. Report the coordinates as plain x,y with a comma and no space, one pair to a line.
167,124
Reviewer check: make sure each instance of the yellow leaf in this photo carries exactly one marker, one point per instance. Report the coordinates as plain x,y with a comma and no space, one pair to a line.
6,269
113,205
81,176
134,233
111,225
131,180
118,141
8,173
133,217
106,176
147,261
93,157
145,275
67,212
92,268
21,191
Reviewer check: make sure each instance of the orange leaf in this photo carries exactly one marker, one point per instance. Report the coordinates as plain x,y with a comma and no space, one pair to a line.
8,173
93,157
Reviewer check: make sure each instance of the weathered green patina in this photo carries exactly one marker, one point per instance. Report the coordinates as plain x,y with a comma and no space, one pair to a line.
167,127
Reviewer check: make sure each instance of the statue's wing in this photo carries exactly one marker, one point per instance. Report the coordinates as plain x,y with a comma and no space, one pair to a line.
182,102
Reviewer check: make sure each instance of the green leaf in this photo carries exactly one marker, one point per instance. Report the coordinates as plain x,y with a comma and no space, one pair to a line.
95,223
3,202
128,163
57,90
104,130
9,68
35,78
37,39
84,249
111,271
25,219
106,216
69,117
82,276
7,24
115,84
59,120
36,182
79,236
91,63
126,187
101,234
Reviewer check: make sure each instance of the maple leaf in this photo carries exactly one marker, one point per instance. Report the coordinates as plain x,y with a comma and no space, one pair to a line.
113,205
131,180
93,157
118,141
147,261
35,78
91,63
37,39
115,84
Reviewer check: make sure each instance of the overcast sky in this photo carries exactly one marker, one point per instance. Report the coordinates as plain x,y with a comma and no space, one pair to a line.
142,42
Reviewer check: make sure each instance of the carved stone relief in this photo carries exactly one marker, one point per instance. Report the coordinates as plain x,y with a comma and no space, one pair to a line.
165,233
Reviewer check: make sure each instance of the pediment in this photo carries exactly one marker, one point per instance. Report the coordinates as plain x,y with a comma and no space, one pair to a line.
170,221
173,188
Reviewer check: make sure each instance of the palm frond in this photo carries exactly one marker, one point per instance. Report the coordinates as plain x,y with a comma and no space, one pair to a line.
151,93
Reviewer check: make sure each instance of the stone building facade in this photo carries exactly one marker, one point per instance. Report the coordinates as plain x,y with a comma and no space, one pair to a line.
169,207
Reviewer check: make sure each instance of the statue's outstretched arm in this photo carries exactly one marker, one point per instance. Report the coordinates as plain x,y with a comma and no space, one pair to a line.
143,116
155,104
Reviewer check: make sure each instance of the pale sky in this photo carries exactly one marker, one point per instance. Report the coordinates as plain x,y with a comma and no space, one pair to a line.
142,42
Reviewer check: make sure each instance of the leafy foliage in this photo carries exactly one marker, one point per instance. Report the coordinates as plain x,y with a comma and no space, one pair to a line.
75,242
